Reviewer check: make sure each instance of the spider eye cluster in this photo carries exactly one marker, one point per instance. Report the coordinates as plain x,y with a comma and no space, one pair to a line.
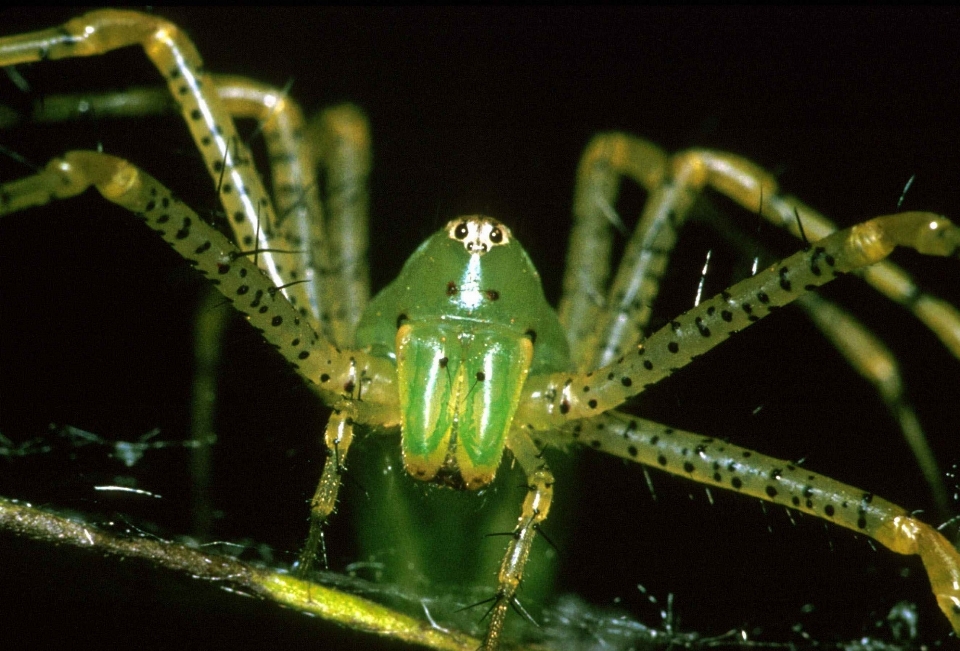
479,234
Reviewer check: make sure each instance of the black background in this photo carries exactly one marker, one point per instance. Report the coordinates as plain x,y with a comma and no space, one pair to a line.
487,111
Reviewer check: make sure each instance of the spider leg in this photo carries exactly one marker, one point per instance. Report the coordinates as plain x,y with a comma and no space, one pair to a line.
228,161
335,375
875,363
340,141
673,184
338,436
755,189
866,354
554,399
324,232
584,304
536,506
717,463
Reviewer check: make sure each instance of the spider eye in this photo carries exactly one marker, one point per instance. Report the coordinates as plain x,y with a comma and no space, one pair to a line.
496,236
461,231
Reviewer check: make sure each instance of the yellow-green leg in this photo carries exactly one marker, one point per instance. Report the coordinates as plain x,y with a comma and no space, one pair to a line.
755,189
556,399
717,463
227,159
585,302
323,229
536,507
334,374
337,437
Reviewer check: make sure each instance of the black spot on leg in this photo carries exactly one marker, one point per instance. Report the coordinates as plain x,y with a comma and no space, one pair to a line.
592,404
784,281
704,330
184,231
673,347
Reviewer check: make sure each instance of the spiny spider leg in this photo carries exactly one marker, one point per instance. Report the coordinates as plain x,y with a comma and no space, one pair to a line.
673,184
871,358
326,235
717,463
338,140
556,399
536,507
755,189
338,436
327,230
238,279
230,165
334,374
584,304
866,354
618,323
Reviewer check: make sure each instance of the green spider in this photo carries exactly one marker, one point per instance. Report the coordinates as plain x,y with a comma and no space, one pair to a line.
366,393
